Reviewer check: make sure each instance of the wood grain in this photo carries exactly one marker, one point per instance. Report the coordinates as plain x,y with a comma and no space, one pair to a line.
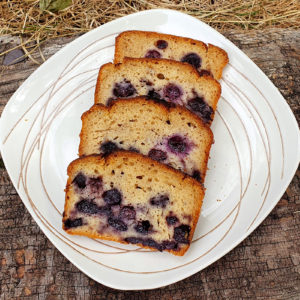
266,265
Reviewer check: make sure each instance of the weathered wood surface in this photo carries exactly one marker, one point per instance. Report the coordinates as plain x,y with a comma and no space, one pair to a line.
266,265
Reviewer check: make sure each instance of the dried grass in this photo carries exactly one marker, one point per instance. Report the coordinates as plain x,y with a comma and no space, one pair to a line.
24,18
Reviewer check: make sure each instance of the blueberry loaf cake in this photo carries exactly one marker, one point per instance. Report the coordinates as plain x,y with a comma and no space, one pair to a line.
160,79
171,135
127,197
207,59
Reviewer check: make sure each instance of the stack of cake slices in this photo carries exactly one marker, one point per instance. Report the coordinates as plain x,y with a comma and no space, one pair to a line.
145,143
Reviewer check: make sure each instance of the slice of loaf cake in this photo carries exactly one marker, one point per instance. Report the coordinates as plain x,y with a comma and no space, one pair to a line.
129,198
171,135
207,59
160,79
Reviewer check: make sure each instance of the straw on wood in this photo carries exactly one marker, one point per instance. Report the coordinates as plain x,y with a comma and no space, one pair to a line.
25,19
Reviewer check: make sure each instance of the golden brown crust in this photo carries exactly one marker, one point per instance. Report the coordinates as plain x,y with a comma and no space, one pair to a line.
181,252
99,80
214,58
216,53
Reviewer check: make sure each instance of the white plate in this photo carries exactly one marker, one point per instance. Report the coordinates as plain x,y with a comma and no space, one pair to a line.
255,155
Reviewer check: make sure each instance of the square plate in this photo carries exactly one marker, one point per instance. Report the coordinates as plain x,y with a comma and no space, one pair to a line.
254,158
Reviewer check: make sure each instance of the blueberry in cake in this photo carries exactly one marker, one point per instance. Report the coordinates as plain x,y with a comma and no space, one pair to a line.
171,135
161,79
128,198
207,59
